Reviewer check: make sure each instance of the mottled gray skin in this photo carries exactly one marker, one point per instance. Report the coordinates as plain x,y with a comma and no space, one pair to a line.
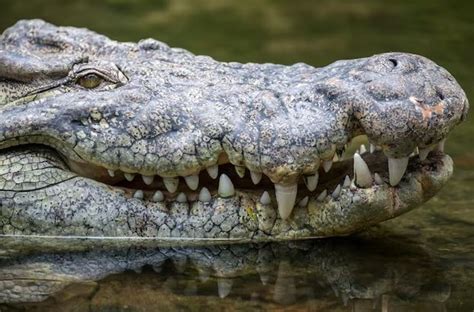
164,111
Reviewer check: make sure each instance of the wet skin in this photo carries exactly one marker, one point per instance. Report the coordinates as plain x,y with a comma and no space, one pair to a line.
100,138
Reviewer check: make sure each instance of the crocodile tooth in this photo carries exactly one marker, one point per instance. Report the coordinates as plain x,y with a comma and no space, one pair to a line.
158,197
335,158
255,176
440,146
304,202
396,169
286,197
371,148
311,181
265,198
347,182
148,179
353,186
111,172
336,192
213,171
378,179
226,188
425,151
327,164
362,149
171,184
181,198
240,171
204,195
322,196
192,181
129,176
138,194
224,286
363,177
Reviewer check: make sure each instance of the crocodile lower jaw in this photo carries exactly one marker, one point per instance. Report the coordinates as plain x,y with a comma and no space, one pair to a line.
41,196
367,170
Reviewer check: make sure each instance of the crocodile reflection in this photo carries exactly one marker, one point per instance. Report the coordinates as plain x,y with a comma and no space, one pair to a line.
357,273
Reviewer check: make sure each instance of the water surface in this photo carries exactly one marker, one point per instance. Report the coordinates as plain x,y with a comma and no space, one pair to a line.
422,261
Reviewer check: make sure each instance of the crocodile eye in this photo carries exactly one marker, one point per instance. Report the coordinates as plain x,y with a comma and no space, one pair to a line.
90,81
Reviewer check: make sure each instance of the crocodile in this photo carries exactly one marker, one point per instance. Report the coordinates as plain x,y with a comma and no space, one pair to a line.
100,138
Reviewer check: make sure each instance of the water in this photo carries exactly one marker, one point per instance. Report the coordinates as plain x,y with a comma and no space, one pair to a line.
422,261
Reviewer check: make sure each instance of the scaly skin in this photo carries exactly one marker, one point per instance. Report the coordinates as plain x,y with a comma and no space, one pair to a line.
166,112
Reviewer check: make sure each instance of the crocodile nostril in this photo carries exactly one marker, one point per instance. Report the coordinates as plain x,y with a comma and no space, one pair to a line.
394,62
440,95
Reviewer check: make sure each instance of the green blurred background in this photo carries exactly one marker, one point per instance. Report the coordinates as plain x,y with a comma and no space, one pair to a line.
314,32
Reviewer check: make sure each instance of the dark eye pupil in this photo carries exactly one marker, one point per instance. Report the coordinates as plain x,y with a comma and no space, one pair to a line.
90,81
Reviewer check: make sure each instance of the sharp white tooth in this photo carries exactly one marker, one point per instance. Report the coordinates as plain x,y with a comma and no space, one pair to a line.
327,164
425,151
265,199
111,172
362,149
158,197
440,146
304,202
396,169
129,176
378,179
322,196
363,177
171,184
371,148
256,177
353,186
286,197
224,286
181,198
213,171
240,171
204,195
148,179
335,158
311,181
226,188
416,151
336,192
138,194
192,181
347,182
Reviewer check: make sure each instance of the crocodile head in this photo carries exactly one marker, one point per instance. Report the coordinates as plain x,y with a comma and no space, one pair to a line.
101,138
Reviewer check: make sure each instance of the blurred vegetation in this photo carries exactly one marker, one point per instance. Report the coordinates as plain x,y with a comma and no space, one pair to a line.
279,31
